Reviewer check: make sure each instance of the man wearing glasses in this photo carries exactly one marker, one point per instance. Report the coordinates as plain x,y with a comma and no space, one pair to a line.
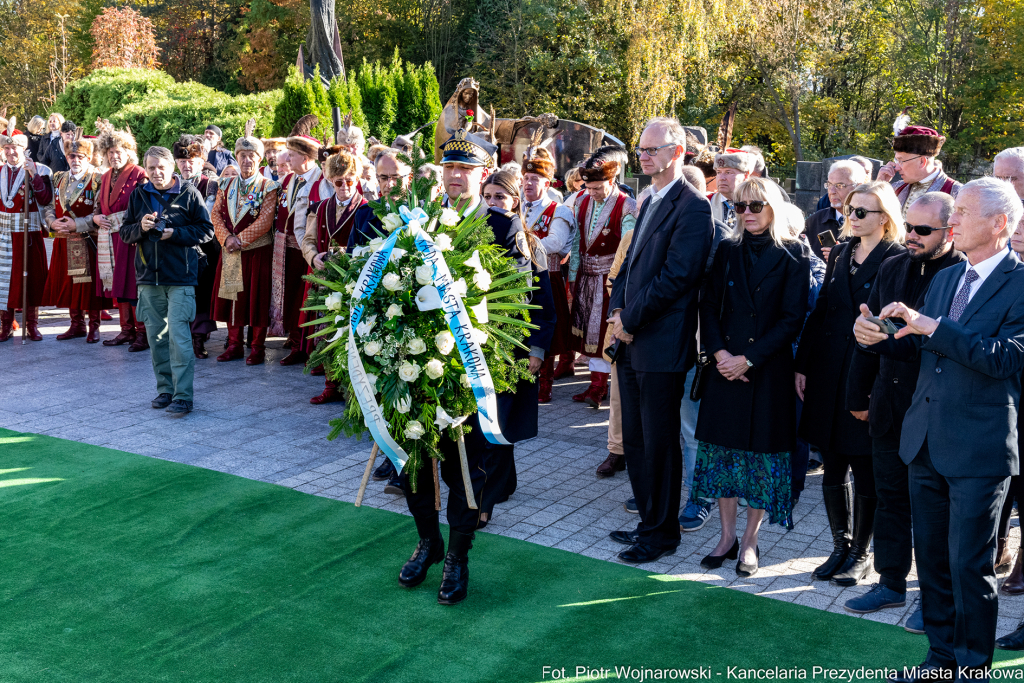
843,176
914,152
881,389
732,167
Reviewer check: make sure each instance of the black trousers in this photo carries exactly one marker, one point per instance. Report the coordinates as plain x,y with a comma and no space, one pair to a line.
955,521
801,457
492,473
1015,493
650,436
894,551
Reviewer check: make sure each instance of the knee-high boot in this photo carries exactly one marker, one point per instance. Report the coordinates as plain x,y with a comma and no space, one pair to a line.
77,328
544,380
94,327
839,507
141,342
259,346
858,562
126,318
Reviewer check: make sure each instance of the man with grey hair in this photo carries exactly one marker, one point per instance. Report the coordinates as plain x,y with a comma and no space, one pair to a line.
843,176
959,436
167,219
731,169
869,169
1009,166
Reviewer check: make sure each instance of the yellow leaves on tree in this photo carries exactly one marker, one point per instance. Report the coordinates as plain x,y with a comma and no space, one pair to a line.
123,38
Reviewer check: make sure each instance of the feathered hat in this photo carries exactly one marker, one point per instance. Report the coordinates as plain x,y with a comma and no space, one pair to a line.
79,145
926,142
3,118
538,159
115,139
188,147
248,143
350,134
300,139
13,136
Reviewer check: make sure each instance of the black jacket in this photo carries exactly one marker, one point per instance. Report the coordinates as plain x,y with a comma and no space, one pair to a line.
659,282
51,153
174,261
818,222
889,382
365,227
827,348
762,312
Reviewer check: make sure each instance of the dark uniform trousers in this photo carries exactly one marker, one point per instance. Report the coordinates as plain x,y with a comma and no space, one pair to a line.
894,541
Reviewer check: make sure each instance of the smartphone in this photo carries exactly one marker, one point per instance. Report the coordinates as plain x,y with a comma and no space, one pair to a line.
886,325
827,239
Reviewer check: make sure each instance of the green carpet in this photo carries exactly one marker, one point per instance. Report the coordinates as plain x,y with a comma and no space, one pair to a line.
118,567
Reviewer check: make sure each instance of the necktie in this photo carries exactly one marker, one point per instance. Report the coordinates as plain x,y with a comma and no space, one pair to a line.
651,208
842,220
730,214
962,297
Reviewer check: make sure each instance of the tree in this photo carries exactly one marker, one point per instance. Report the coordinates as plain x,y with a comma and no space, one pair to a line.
123,38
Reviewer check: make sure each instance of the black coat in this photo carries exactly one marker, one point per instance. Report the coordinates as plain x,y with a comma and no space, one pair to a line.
762,314
51,153
365,226
827,347
659,282
889,382
34,141
818,222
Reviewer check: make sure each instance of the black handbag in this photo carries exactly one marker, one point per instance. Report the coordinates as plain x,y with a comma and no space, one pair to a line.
700,376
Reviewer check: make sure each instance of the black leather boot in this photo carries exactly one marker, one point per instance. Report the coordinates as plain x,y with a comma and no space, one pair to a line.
455,579
858,562
839,507
429,551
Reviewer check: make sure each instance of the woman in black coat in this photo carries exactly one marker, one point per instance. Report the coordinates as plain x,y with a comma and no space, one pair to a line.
751,312
874,223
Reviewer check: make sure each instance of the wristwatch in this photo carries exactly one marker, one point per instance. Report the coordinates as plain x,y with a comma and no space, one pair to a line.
749,364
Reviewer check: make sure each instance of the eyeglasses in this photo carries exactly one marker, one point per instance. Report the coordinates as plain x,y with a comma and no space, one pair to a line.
344,182
860,212
755,207
924,230
651,151
899,162
392,178
838,186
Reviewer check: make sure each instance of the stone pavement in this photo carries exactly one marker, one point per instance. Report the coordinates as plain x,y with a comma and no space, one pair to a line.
257,422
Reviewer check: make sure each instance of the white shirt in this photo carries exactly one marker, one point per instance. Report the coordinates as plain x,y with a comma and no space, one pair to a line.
560,231
983,269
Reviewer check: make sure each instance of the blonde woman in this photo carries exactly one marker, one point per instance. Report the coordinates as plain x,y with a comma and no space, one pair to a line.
751,312
875,229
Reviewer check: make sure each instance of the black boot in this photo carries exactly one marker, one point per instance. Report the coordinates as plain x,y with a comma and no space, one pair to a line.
384,471
858,561
839,507
429,551
455,579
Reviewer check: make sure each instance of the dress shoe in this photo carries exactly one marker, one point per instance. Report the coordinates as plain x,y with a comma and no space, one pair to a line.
878,598
716,561
329,395
922,673
295,358
429,551
454,580
385,471
141,343
915,622
394,486
642,552
625,537
615,462
1004,558
745,570
1014,583
179,407
161,401
257,357
1012,641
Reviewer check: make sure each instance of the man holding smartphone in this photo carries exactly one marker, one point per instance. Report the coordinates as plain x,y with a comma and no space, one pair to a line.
880,390
822,227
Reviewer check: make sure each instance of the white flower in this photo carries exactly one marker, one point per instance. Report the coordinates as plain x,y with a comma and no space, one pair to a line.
480,311
414,430
434,368
350,287
392,221
408,372
479,336
391,282
428,298
445,342
359,251
449,217
474,261
444,420
425,274
396,254
372,348
482,280
333,301
393,310
416,346
404,404
365,325
443,242
372,379
459,287
465,381
376,243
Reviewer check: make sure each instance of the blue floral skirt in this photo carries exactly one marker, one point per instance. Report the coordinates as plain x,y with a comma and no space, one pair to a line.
765,480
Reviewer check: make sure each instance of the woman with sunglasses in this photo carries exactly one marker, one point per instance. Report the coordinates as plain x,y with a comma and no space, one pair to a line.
751,312
875,228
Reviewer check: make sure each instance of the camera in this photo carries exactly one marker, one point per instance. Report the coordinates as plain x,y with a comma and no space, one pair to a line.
159,224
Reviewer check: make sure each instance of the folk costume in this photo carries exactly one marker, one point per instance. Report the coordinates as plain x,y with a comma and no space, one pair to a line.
115,259
927,143
22,197
491,466
245,209
601,226
554,225
71,283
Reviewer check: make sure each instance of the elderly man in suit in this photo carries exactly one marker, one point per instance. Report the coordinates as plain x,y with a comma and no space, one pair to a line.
653,310
959,435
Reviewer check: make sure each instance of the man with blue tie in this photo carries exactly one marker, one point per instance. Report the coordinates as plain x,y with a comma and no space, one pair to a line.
960,434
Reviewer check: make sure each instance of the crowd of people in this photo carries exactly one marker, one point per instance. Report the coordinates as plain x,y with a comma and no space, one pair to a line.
879,339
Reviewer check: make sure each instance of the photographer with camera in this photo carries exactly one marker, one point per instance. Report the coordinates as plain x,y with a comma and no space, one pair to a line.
167,219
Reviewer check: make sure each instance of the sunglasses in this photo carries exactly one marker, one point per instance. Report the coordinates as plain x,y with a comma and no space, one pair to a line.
755,207
924,230
344,182
860,212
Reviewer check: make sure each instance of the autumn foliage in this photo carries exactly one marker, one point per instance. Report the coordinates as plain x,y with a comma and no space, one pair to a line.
123,38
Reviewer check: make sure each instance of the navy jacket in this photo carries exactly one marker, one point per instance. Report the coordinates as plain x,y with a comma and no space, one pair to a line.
220,159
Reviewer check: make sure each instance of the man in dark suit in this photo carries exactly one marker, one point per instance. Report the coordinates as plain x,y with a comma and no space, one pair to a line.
843,176
960,436
654,316
880,390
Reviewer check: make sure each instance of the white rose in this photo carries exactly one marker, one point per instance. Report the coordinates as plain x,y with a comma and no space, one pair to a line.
408,372
350,287
416,346
449,217
414,430
333,301
376,243
425,274
465,381
372,348
393,310
372,379
443,242
445,342
391,282
392,221
404,404
482,280
479,336
434,368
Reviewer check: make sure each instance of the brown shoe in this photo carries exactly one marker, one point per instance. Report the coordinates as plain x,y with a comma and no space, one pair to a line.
127,322
296,357
199,346
615,462
77,328
1003,555
1014,583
